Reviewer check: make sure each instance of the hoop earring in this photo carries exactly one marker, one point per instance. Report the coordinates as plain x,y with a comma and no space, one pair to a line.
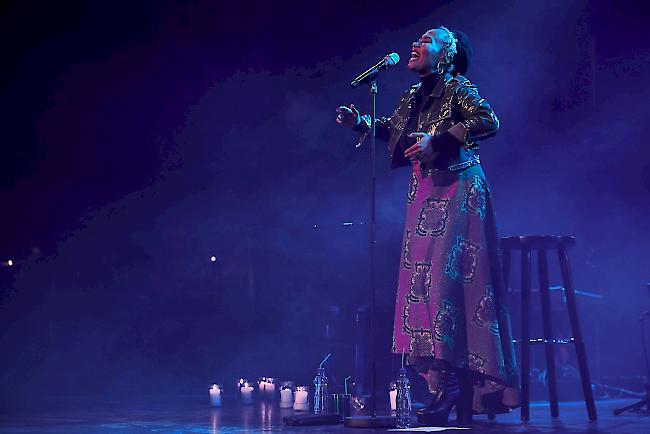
441,68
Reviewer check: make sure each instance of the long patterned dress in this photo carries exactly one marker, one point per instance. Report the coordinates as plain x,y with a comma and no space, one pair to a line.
449,304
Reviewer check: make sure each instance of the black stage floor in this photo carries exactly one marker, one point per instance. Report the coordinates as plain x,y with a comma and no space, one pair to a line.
192,415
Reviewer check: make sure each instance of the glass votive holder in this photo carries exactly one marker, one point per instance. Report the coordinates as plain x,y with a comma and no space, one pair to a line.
270,387
215,395
261,385
341,405
300,399
392,395
286,395
246,392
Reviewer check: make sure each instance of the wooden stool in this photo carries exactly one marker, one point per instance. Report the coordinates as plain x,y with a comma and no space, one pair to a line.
542,243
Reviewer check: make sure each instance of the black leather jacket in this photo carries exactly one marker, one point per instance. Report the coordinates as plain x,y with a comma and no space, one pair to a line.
453,99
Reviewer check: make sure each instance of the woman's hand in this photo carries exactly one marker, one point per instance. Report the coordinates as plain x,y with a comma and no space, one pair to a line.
348,116
422,150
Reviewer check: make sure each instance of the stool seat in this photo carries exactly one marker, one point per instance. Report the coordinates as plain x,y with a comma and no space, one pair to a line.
518,242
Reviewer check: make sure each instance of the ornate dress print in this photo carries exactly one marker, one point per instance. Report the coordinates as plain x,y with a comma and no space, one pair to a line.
449,303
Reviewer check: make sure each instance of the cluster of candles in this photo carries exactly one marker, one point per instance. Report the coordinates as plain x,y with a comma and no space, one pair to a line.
266,386
290,396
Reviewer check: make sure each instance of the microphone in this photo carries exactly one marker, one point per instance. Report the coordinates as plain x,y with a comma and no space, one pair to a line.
372,73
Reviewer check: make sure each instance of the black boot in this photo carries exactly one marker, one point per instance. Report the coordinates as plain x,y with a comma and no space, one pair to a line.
464,406
437,412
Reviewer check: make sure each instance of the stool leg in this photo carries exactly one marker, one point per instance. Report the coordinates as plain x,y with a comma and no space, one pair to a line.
506,268
577,333
542,268
525,334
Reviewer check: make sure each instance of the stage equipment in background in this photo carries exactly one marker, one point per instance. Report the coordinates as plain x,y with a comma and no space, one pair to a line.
569,387
645,402
541,243
372,420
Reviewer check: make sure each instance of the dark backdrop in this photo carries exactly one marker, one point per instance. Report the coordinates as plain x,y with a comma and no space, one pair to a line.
141,138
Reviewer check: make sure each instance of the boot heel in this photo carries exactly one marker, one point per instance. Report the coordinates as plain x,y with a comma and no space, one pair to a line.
439,418
464,414
464,405
453,395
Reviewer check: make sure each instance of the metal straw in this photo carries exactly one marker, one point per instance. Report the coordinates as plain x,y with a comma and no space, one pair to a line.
325,360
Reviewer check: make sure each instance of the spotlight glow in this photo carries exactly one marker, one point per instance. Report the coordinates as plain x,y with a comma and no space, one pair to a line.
10,263
213,259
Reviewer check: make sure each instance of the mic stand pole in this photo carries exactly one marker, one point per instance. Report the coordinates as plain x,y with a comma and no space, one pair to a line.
372,420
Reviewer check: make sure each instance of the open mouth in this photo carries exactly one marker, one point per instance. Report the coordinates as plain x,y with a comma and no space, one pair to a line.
414,56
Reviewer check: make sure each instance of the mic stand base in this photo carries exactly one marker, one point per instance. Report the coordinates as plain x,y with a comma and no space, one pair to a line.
312,419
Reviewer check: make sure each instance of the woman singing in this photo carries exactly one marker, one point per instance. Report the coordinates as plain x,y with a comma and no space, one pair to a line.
449,314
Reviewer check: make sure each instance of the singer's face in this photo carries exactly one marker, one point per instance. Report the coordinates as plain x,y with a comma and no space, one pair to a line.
426,51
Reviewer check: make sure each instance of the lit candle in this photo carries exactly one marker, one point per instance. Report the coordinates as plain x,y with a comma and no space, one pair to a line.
215,396
286,396
261,385
246,393
392,393
393,400
270,387
300,399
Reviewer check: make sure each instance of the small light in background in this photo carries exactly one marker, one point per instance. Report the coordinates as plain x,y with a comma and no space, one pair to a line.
10,263
213,259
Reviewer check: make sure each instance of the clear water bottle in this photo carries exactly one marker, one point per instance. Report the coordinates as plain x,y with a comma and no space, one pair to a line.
321,394
403,401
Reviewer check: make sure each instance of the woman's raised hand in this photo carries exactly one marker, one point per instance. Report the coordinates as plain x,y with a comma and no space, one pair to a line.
348,116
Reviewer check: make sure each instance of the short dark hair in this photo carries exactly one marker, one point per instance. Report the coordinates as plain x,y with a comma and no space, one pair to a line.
463,57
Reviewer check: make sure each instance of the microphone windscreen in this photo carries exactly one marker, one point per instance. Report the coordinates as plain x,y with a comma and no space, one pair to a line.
392,59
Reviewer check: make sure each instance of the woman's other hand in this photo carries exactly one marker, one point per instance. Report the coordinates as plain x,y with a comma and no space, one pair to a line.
423,148
348,116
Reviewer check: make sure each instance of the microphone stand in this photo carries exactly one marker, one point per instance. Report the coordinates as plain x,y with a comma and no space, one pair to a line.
372,420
